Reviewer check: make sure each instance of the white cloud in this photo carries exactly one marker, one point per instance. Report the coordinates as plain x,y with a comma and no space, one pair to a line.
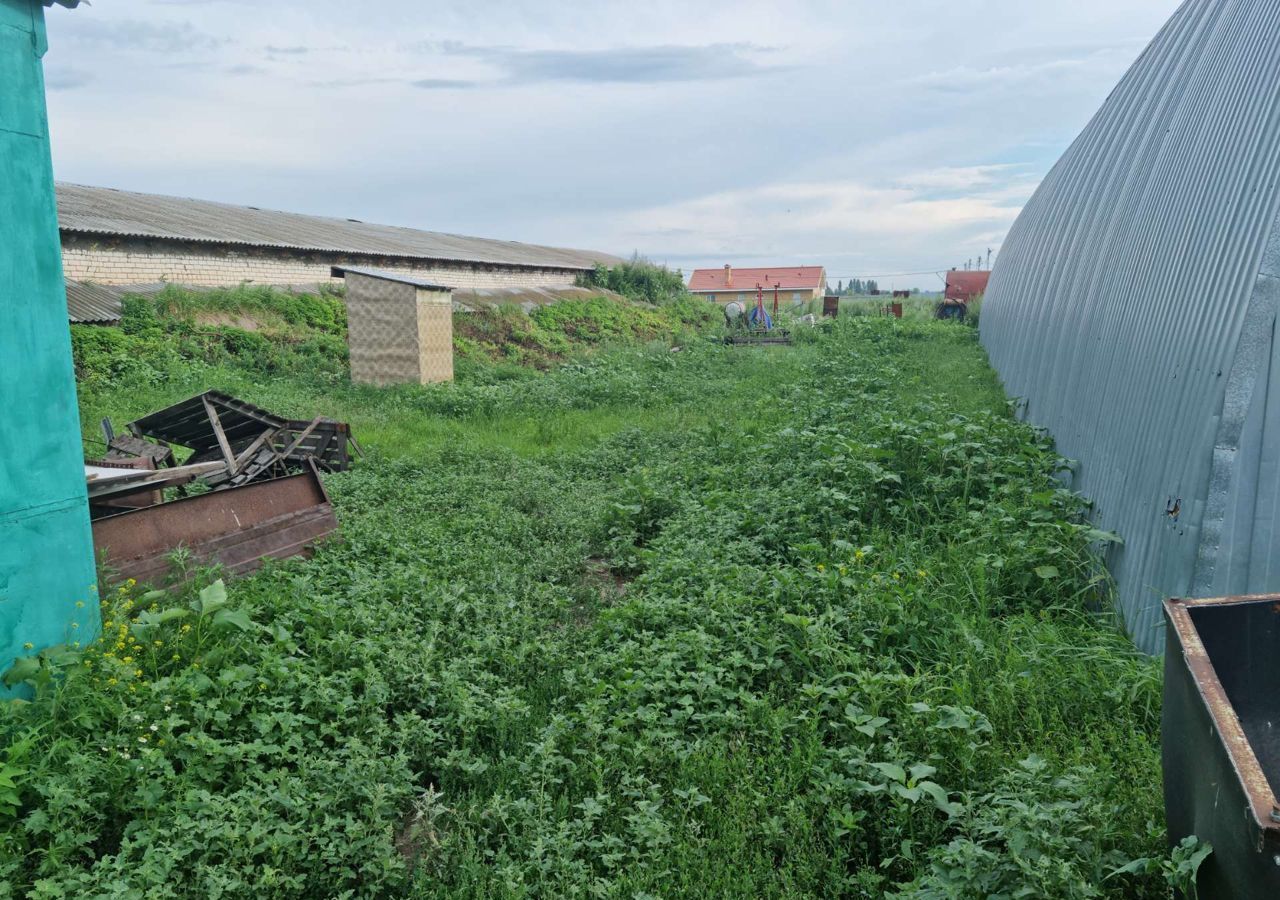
867,136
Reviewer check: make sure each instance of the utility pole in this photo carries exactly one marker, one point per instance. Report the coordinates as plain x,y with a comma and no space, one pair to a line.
988,259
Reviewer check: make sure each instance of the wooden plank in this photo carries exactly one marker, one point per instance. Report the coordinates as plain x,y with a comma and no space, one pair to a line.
150,479
217,430
302,437
252,448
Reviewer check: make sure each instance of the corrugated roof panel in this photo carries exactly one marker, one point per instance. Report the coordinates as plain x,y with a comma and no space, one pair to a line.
105,211
91,304
1133,307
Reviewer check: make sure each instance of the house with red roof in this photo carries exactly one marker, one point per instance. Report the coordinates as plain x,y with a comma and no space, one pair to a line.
793,283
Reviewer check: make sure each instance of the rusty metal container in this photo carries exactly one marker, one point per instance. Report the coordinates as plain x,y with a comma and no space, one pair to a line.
1221,739
237,527
831,306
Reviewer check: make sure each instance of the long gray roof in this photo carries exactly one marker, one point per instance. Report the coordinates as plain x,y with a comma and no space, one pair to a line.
1133,306
106,211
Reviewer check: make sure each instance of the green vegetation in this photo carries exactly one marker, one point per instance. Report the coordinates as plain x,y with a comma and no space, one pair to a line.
798,622
638,279
550,334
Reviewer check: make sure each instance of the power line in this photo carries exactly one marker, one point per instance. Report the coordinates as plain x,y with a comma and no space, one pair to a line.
937,272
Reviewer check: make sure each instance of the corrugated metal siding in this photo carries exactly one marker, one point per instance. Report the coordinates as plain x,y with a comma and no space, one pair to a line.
1132,310
104,211
91,304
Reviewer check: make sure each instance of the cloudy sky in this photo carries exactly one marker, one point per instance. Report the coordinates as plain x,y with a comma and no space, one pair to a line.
871,137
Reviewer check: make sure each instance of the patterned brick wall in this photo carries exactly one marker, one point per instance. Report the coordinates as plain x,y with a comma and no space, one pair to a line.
435,336
382,331
130,261
398,333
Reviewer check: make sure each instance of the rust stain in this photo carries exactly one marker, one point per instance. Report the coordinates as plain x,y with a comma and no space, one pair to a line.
1244,761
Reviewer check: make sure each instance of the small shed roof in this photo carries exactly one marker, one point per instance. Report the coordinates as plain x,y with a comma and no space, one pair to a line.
106,211
787,278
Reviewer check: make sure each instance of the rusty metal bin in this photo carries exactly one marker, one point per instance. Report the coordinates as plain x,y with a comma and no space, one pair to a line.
1221,739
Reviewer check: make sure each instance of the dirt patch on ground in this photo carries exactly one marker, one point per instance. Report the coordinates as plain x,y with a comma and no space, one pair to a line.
230,320
611,586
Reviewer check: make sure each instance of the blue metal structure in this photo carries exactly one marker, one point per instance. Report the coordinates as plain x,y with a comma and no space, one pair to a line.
1133,311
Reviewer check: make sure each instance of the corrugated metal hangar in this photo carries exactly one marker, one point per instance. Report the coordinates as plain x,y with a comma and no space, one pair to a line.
1133,311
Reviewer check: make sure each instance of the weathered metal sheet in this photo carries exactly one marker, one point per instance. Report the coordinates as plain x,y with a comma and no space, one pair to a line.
92,304
1221,755
237,527
1132,311
104,211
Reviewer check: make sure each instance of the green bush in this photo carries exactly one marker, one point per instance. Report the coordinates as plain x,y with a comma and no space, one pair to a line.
638,279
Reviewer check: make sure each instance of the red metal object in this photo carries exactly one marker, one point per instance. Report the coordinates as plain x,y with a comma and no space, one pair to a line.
893,309
831,306
237,527
965,285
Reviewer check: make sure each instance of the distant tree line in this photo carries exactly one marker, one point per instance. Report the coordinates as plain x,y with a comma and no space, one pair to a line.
856,286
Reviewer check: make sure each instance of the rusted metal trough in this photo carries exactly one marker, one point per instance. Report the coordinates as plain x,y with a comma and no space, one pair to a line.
1221,739
238,527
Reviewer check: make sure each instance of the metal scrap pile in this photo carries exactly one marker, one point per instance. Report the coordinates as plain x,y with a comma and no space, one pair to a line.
262,493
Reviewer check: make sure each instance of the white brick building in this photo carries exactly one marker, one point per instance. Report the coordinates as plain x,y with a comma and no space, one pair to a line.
123,238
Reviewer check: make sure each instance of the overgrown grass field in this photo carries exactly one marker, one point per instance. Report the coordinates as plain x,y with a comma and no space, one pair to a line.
722,622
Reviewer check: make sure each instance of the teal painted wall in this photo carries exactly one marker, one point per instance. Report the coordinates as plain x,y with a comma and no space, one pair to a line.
46,548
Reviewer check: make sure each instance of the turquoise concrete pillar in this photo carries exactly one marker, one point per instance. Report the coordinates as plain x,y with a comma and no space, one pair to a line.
46,548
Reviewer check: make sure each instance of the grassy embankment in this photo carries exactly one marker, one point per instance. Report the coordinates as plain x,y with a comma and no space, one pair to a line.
808,621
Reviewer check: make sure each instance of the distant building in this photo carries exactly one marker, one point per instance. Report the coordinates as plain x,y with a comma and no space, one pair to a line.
965,285
112,237
794,283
